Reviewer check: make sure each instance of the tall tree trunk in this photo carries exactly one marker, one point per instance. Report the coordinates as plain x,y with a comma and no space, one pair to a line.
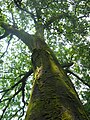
53,95
53,98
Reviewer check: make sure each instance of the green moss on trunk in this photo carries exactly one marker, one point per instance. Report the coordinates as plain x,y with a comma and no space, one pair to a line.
52,97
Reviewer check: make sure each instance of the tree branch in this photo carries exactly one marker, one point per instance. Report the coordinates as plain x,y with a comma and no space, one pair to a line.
15,113
5,109
21,34
7,46
83,81
9,100
54,18
67,65
13,20
24,83
4,35
23,80
83,16
12,86
18,4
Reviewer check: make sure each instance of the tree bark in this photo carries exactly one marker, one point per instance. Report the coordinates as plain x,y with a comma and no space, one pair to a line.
52,97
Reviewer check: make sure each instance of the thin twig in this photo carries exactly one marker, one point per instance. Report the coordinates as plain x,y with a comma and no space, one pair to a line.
83,81
16,113
7,46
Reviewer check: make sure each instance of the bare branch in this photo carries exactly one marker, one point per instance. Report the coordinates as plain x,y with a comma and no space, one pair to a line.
7,46
83,81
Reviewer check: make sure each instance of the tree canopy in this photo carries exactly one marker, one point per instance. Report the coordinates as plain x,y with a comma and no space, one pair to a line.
65,26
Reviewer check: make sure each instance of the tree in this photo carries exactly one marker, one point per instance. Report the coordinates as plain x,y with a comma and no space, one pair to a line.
60,28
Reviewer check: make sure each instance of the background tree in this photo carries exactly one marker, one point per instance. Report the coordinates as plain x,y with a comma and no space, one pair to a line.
65,27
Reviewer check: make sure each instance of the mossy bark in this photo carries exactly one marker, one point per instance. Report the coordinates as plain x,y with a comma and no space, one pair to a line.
53,98
53,95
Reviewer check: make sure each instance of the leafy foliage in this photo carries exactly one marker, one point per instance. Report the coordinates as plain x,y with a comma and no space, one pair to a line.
66,26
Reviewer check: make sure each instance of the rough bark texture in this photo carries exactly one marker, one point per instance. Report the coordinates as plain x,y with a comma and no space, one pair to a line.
52,97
